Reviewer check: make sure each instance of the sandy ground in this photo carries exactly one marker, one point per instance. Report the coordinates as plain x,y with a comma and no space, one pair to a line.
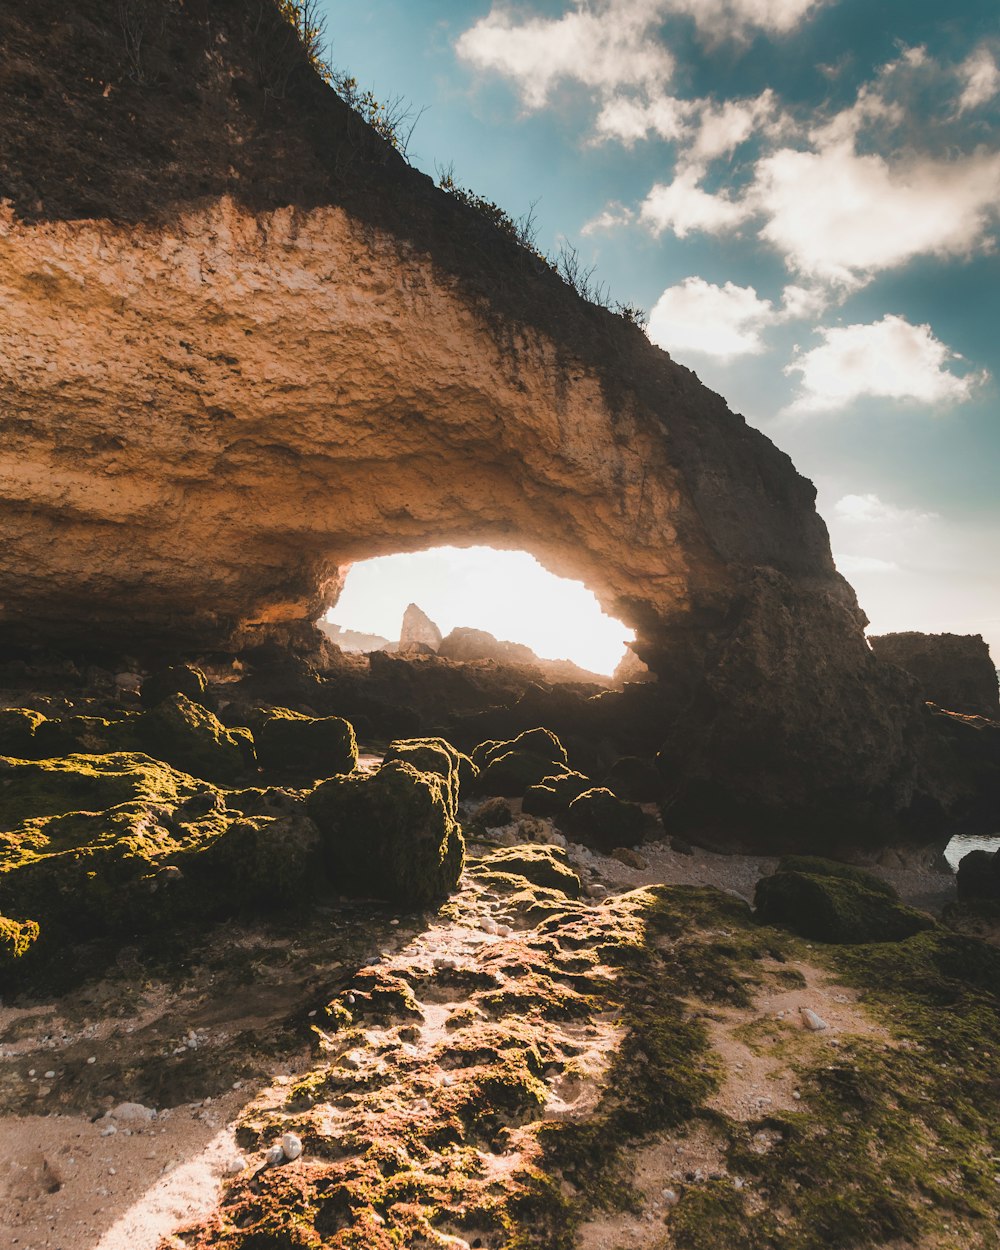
78,1176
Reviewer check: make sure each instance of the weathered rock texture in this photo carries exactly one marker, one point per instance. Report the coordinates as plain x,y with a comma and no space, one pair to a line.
245,345
955,671
417,627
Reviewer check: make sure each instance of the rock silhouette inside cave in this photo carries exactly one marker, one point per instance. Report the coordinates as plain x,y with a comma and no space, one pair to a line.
247,345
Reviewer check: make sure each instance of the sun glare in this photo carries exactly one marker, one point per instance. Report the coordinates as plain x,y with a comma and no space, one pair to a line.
507,593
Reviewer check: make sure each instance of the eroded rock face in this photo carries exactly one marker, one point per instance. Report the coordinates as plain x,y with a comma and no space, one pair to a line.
418,629
955,671
244,345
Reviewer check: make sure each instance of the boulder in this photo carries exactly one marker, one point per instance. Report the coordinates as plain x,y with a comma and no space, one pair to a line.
311,746
16,938
553,795
477,644
602,820
636,779
435,755
178,679
978,876
189,737
511,773
390,834
17,732
836,903
546,866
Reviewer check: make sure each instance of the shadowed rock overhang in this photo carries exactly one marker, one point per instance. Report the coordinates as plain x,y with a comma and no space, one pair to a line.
244,344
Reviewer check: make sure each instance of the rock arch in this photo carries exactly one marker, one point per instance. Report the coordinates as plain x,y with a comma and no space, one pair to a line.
212,402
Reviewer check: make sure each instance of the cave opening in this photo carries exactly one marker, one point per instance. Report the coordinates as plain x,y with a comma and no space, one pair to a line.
465,592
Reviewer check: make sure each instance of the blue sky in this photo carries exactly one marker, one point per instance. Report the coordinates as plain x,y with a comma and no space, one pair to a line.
802,193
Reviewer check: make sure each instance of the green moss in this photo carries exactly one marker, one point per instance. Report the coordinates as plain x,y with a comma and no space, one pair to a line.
16,938
600,819
182,679
435,755
189,737
308,746
17,732
390,834
553,795
542,865
816,866
835,908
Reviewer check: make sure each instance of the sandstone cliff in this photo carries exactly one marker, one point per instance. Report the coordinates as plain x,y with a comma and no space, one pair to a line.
245,345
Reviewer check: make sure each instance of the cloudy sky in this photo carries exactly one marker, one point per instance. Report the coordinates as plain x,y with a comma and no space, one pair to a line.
805,197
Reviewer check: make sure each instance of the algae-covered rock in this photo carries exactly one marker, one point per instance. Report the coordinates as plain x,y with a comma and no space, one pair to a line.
390,834
481,754
602,820
817,866
17,732
87,735
637,779
541,865
313,746
16,938
182,679
834,906
553,795
513,772
493,814
188,736
435,755
93,845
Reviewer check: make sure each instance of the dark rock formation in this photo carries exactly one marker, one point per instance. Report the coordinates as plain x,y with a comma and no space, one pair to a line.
955,671
978,876
245,345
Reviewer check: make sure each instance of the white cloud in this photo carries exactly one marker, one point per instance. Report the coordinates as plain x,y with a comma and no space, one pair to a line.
616,214
981,77
682,206
735,18
697,316
869,510
607,45
628,119
723,127
888,359
840,216
801,303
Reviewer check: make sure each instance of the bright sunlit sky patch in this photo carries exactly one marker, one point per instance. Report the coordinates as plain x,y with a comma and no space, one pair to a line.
507,593
804,194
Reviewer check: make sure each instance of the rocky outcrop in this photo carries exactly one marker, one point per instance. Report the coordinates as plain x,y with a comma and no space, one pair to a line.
418,629
245,345
955,671
353,639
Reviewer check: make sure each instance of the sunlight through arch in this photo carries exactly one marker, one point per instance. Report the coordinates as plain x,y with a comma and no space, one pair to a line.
507,593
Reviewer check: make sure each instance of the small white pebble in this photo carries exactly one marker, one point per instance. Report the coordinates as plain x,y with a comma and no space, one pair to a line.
670,1197
234,1164
488,924
796,1095
394,922
275,1154
92,1059
291,1144
109,1131
49,1075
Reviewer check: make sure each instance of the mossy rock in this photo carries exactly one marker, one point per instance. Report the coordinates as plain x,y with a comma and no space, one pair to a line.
87,735
17,732
602,820
189,737
182,679
390,834
545,866
312,746
513,772
817,866
481,753
636,779
835,908
96,845
553,795
438,756
16,938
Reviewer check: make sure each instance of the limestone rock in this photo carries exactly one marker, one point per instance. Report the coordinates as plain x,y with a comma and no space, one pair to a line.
464,643
311,746
238,358
418,627
955,671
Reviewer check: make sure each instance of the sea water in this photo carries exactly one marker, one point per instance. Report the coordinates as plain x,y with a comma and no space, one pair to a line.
961,844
